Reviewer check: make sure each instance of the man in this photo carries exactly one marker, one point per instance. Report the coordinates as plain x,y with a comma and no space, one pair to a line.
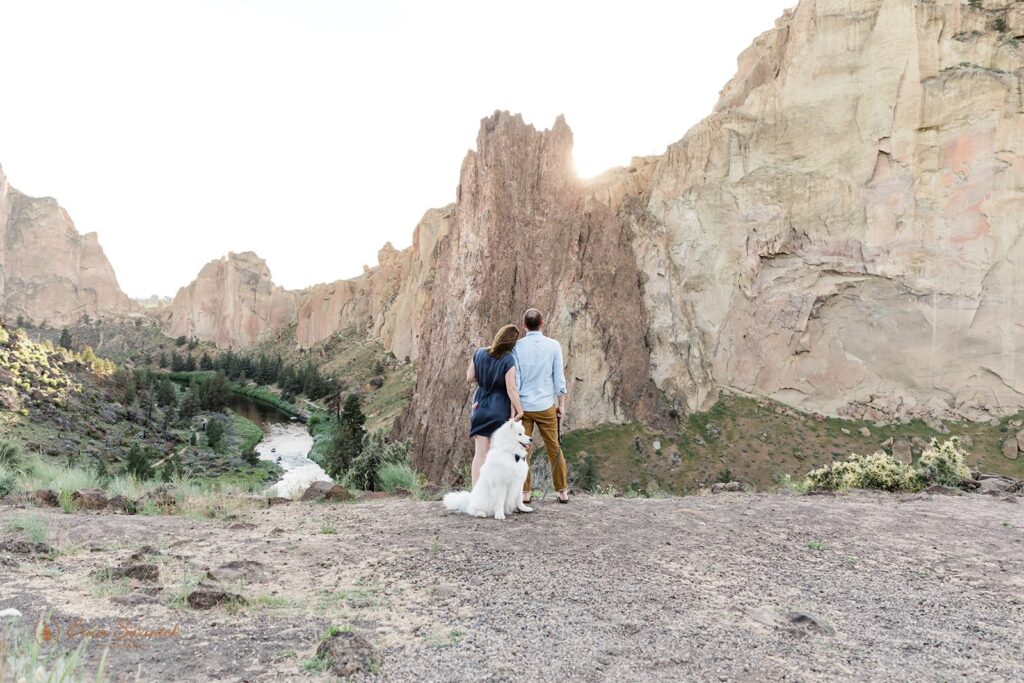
540,379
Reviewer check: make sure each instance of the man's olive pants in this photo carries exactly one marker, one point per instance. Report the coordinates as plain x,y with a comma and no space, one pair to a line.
547,422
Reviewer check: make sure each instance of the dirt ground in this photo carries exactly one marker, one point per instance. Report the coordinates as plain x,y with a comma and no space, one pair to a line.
709,588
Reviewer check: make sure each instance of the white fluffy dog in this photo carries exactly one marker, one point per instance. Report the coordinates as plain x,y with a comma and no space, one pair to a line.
499,491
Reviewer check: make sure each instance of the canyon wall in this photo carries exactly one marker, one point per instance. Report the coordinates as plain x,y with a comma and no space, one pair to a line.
842,234
233,302
48,272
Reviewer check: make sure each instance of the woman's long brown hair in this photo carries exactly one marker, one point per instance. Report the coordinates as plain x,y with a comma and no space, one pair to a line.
504,341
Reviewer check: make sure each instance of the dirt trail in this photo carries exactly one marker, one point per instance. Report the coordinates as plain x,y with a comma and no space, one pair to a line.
697,588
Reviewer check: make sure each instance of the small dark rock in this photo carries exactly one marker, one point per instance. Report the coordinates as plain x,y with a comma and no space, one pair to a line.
348,654
143,552
137,572
402,491
25,547
242,526
731,487
277,500
811,622
209,597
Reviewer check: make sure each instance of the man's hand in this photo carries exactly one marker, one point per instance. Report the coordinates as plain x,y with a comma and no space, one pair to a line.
560,409
517,415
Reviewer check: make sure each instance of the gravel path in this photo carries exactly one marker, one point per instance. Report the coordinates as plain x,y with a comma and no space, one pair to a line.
700,588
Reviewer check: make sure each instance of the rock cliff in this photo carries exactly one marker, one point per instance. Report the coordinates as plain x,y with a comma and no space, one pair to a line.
233,302
842,234
48,272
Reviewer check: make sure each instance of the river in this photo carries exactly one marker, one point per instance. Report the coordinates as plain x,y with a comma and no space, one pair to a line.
286,441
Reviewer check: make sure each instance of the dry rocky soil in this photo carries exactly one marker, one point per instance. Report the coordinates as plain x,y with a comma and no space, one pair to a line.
730,587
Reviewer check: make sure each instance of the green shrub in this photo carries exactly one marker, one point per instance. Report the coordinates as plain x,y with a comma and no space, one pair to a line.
38,473
8,480
877,471
393,475
944,463
376,452
10,452
35,527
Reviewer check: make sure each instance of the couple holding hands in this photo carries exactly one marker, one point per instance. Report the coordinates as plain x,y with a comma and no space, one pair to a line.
521,378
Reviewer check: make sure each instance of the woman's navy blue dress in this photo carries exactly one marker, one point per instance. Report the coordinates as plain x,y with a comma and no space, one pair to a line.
493,406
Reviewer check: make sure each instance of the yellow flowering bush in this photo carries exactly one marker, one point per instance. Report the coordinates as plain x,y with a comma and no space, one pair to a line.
876,471
944,463
941,463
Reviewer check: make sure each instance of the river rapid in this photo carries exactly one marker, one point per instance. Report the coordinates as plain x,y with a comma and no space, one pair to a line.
286,441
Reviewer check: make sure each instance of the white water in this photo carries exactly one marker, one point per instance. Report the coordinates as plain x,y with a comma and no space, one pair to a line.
291,443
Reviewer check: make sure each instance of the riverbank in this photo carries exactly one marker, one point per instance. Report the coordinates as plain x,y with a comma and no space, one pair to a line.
856,586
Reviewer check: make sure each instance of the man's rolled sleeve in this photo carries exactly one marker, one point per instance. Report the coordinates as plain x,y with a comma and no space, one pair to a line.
558,372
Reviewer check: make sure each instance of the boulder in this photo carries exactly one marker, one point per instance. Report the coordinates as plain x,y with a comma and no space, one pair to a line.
902,451
1020,441
730,487
1010,449
90,499
865,432
326,490
998,485
119,503
163,496
46,498
348,653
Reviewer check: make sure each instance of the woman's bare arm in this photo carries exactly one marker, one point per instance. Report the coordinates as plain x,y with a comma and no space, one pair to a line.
513,393
471,372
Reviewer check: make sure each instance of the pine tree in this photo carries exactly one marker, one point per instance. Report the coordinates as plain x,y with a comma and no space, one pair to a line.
65,339
205,362
166,395
190,363
162,362
138,463
214,433
347,439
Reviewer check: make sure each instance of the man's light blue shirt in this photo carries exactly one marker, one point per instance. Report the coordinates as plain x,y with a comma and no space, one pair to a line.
540,377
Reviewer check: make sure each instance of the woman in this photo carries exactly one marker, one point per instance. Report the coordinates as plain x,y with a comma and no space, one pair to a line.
497,399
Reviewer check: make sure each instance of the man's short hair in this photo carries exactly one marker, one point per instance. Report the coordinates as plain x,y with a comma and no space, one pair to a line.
532,319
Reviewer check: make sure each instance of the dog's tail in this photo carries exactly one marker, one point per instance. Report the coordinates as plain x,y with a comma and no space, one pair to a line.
457,501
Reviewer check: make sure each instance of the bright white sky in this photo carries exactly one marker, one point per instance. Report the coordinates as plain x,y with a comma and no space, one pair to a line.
311,131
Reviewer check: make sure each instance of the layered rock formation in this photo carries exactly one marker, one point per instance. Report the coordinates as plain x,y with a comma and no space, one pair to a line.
48,272
233,302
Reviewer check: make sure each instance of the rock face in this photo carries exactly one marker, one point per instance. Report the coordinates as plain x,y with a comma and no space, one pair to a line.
48,272
525,232
843,234
233,302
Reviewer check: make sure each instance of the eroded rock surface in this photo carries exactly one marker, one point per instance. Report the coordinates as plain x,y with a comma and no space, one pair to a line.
48,271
